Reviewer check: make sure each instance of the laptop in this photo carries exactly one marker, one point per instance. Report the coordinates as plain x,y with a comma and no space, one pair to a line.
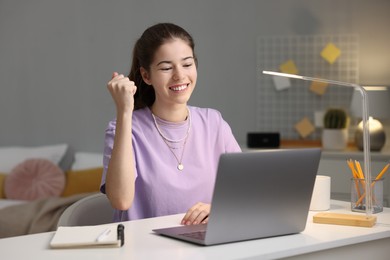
257,194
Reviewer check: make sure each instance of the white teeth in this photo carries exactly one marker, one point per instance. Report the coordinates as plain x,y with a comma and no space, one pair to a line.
178,88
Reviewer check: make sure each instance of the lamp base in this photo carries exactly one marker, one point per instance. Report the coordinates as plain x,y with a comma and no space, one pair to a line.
377,135
344,219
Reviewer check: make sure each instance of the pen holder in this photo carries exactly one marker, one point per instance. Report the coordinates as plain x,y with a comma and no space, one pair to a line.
358,195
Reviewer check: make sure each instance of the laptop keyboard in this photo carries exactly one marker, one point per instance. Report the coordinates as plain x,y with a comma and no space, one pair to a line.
196,235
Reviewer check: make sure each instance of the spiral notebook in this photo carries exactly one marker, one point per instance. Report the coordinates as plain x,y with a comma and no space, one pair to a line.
111,235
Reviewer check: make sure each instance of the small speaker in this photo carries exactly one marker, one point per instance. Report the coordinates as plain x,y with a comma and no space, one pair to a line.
263,140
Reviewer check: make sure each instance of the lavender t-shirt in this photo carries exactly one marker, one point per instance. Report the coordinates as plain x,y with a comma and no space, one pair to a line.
160,188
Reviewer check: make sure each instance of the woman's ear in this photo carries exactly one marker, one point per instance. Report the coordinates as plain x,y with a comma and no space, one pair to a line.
145,75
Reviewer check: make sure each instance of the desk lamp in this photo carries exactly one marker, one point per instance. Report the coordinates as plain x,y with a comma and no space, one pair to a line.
379,106
366,136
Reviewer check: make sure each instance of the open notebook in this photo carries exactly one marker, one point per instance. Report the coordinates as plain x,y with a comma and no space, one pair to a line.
111,235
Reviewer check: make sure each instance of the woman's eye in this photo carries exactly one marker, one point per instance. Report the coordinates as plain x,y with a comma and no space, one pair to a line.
165,69
187,65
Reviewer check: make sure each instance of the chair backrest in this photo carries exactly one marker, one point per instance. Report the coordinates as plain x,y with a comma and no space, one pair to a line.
91,210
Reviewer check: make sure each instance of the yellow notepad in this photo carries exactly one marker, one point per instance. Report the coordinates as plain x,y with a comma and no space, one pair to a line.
89,236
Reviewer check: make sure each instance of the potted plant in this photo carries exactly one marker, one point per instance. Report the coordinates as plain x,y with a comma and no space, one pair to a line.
335,132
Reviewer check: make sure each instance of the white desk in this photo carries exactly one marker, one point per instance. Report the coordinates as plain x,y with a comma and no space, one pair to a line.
319,241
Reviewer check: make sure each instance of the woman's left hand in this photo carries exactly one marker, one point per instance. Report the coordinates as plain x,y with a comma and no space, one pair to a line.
197,214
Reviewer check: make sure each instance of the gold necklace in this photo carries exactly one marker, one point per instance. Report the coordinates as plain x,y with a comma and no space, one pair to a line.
180,165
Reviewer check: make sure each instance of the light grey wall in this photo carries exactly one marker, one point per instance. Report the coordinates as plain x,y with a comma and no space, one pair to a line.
56,56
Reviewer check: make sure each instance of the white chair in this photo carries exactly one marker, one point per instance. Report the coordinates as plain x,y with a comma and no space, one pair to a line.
91,210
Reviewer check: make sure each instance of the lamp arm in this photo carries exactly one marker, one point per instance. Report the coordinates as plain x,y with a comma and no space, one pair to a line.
366,127
366,148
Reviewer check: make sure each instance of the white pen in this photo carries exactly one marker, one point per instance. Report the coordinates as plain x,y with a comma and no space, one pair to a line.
103,235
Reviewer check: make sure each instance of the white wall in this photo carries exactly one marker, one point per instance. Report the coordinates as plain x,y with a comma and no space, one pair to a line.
56,56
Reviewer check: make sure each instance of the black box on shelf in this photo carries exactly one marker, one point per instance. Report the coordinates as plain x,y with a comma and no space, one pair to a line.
263,140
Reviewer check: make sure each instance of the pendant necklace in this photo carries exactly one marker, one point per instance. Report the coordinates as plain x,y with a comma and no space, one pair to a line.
167,140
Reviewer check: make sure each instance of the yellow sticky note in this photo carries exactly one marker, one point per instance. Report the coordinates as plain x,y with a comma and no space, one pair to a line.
289,67
330,53
318,87
304,127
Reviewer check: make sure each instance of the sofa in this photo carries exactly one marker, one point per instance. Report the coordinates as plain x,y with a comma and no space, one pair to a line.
38,183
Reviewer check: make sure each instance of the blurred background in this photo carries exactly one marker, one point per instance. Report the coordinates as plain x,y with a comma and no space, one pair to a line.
56,58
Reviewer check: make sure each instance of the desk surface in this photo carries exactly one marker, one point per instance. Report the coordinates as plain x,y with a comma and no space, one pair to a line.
142,243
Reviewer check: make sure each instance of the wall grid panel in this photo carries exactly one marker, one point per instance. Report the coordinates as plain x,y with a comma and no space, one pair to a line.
279,111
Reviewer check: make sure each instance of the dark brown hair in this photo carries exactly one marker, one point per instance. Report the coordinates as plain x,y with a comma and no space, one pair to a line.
143,54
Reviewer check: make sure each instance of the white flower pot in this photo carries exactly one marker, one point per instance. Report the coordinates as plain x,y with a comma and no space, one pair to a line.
334,139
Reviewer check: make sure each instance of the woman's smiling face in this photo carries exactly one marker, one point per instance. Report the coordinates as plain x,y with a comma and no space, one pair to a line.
172,73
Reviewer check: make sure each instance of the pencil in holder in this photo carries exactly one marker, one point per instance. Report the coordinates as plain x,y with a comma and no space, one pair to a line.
358,195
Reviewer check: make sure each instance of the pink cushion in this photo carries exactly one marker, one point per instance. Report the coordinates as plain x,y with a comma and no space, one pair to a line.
34,179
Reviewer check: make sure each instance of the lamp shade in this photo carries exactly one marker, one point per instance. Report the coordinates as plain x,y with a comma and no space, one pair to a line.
378,102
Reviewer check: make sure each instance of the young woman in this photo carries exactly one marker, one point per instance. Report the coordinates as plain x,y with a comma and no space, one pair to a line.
161,155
